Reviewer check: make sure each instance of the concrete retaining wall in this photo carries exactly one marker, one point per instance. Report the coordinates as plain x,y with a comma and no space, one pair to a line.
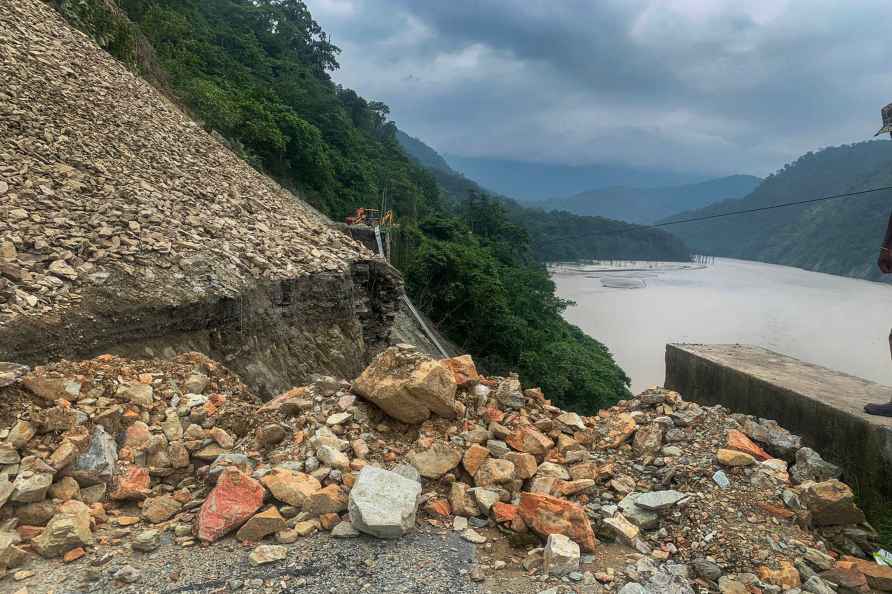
824,406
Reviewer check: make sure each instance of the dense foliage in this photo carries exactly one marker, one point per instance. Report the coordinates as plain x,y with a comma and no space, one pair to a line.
839,236
257,72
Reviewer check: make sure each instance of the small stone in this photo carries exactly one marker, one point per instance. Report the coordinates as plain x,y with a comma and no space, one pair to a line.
127,574
435,461
261,525
561,555
293,488
659,500
734,458
810,466
160,509
474,457
473,536
138,394
344,530
333,458
267,554
338,418
147,541
20,434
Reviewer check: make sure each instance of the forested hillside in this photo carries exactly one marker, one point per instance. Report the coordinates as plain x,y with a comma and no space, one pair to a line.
836,236
553,235
258,73
647,205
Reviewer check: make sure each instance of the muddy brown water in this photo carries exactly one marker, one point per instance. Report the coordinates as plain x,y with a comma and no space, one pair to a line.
834,321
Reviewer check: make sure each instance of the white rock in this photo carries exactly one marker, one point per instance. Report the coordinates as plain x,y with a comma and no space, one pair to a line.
561,555
383,503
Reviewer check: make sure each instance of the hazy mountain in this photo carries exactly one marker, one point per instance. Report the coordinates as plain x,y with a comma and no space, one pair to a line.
422,153
555,236
533,182
647,205
840,236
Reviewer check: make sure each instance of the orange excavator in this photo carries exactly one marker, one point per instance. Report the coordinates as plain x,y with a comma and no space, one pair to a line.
370,217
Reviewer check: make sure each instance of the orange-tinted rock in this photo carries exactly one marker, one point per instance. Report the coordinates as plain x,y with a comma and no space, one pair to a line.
504,512
546,515
737,440
787,576
493,414
879,577
133,485
776,510
618,428
831,503
230,504
474,457
438,507
848,576
74,555
585,470
329,521
525,465
463,369
529,440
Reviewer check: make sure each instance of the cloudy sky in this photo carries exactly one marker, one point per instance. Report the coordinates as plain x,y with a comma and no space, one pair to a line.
712,86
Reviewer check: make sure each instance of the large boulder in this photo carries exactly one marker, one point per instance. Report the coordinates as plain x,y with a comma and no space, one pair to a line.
383,503
234,499
547,515
69,528
408,385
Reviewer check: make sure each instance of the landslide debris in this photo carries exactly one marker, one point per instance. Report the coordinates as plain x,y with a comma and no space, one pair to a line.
113,456
106,186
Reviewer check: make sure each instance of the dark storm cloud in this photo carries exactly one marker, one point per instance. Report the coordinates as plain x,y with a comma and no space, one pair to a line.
699,85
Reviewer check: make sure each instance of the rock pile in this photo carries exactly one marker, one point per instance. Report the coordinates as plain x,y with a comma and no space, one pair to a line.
105,182
139,452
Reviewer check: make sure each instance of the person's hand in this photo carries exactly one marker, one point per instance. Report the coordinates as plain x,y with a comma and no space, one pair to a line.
885,261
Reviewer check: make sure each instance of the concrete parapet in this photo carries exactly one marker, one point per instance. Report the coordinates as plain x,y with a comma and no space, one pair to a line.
823,406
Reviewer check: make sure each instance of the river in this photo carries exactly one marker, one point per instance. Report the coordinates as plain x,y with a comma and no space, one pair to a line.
838,322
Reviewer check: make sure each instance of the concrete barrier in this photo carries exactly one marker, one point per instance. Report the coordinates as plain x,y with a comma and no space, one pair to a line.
823,406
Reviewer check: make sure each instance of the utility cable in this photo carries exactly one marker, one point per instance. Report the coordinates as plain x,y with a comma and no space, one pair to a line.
633,227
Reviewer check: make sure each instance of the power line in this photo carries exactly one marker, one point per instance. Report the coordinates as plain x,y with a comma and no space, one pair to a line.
633,227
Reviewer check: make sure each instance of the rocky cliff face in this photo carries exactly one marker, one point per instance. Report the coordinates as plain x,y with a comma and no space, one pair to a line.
125,227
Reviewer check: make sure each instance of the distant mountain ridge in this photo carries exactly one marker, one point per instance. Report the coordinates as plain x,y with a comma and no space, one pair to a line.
535,182
840,236
648,205
554,236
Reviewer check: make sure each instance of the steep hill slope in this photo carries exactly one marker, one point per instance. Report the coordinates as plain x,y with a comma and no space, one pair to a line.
125,226
554,236
647,205
255,74
837,236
